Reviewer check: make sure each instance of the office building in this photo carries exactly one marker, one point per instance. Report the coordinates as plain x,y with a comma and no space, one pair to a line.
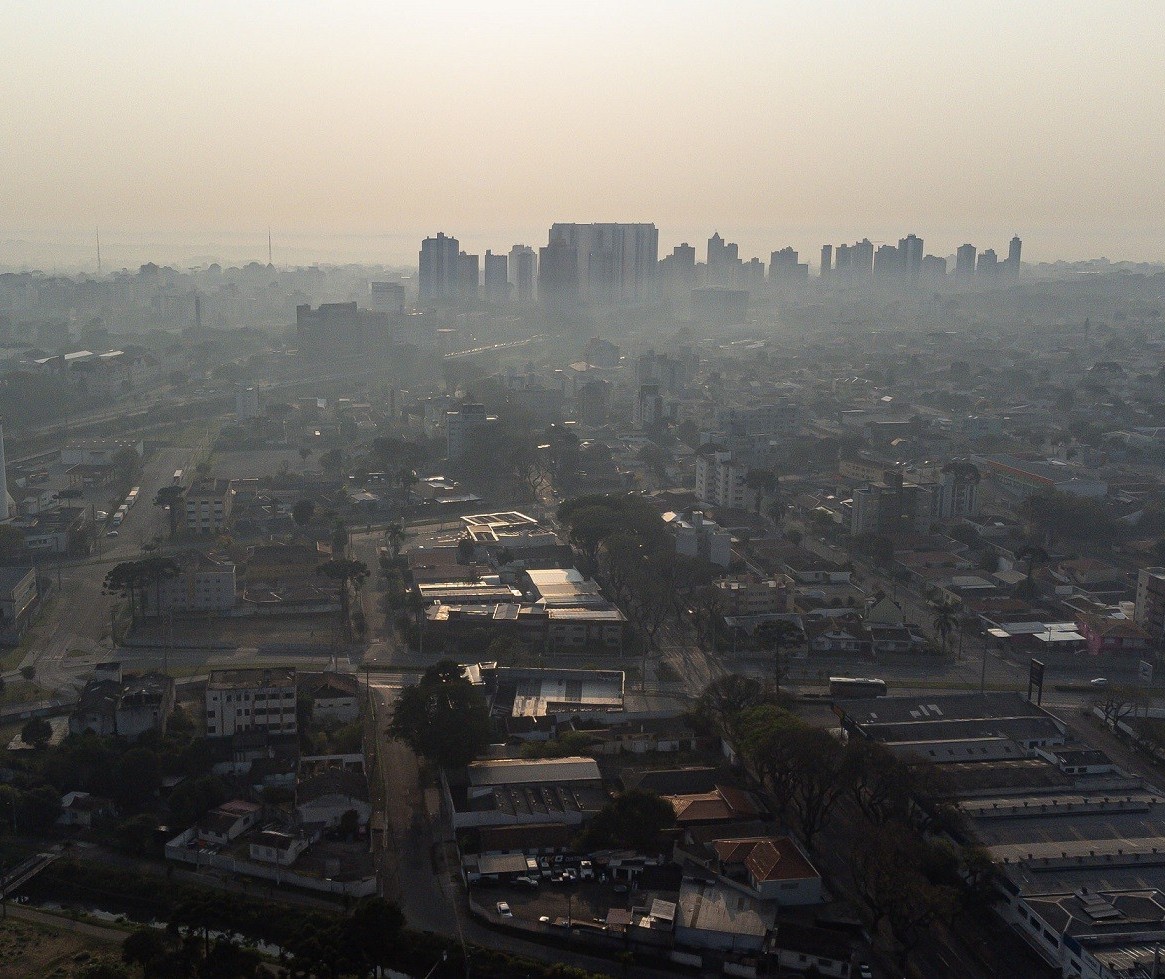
965,261
647,411
439,269
523,272
338,330
497,284
615,263
826,261
988,263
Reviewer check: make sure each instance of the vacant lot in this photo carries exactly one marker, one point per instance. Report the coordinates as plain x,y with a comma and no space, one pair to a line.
32,950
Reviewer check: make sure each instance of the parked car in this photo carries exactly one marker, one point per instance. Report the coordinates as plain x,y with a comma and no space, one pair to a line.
586,870
504,910
112,533
1100,681
864,971
526,881
620,888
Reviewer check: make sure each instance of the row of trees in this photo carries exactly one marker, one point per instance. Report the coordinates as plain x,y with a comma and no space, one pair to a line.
906,874
623,540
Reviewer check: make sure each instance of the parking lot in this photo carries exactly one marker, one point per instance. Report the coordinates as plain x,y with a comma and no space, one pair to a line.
582,900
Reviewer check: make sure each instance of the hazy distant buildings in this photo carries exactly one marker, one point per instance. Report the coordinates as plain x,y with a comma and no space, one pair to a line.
338,330
965,261
887,263
439,269
910,249
386,297
558,274
784,267
1013,250
497,284
677,272
933,269
468,277
523,272
826,261
723,267
988,263
612,263
462,426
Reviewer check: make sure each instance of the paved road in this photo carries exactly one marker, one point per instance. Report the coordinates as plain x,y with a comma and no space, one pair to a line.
75,632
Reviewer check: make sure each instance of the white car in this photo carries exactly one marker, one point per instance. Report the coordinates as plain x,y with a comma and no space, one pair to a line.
112,533
1100,681
504,910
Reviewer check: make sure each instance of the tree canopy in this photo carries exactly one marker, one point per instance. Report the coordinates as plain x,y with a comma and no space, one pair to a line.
443,717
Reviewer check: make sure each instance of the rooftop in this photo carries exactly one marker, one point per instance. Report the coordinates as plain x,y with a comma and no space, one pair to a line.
518,771
250,678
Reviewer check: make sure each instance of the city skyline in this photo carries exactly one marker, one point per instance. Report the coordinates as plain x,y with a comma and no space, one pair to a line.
768,122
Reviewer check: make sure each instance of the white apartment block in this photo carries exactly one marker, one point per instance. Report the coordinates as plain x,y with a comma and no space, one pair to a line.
204,585
244,700
208,506
720,480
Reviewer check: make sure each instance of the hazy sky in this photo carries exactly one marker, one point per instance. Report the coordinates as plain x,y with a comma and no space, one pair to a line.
353,129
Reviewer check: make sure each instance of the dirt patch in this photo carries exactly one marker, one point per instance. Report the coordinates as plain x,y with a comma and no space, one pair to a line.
33,950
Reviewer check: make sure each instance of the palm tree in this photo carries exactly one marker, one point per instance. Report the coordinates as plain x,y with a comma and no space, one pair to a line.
394,536
346,572
945,617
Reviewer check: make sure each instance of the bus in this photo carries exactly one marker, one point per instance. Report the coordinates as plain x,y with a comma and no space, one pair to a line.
847,686
177,478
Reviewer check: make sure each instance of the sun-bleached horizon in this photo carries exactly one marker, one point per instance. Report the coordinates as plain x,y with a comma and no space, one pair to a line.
184,131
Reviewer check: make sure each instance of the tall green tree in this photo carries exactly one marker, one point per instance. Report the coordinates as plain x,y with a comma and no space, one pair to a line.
350,575
443,717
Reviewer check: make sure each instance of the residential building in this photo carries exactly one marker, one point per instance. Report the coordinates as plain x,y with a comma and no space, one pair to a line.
613,263
702,538
826,266
253,699
334,697
720,479
19,597
386,297
745,596
208,506
522,270
461,427
774,867
910,249
1150,603
965,261
203,584
439,267
497,284
468,277
329,786
720,916
1014,248
891,507
226,823
126,706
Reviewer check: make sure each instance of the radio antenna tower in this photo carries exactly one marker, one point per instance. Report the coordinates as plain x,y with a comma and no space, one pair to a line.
99,253
269,262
